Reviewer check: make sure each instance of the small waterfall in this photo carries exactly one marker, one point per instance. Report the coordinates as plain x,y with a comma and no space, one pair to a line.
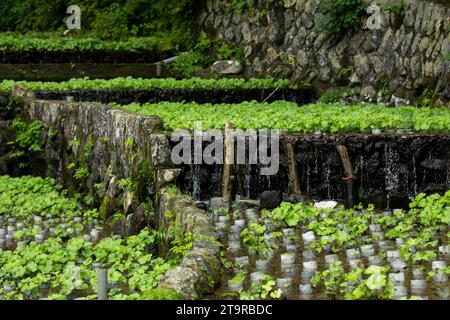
216,181
316,161
392,177
327,181
361,172
424,177
308,178
247,181
414,176
196,188
447,180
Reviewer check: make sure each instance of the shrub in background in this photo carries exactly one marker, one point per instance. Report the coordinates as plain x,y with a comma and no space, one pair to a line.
340,16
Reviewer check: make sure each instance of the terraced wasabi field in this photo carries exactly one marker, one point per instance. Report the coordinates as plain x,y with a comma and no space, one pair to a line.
302,252
52,248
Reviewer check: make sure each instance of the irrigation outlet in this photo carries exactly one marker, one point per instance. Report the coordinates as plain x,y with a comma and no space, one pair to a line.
259,150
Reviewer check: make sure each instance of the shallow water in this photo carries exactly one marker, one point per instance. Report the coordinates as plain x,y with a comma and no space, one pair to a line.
293,291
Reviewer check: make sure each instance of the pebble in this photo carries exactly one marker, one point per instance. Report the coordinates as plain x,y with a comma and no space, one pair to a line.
353,264
287,259
291,248
261,265
309,255
234,245
397,278
398,265
392,255
310,266
240,223
444,250
305,289
375,260
438,265
308,236
284,283
329,259
367,250
418,273
400,292
353,254
256,276
242,260
290,272
418,284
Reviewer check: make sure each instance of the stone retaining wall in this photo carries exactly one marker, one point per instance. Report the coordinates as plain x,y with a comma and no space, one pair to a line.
407,55
112,144
107,132
199,272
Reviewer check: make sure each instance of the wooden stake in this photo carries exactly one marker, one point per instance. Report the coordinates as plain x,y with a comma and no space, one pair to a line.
158,69
228,160
348,168
294,184
351,197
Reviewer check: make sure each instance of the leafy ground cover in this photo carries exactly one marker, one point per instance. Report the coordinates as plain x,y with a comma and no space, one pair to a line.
339,254
22,43
143,84
288,116
57,247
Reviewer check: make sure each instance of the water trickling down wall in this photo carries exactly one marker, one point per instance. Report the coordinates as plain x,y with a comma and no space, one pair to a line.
391,169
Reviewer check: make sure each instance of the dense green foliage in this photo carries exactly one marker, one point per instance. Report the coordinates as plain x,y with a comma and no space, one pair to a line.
10,42
202,54
346,228
67,268
108,19
289,116
397,9
338,229
26,142
358,284
26,195
340,15
64,265
420,233
264,289
144,84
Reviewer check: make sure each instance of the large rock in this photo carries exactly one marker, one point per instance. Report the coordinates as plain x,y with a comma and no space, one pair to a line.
227,67
217,203
160,151
166,176
270,199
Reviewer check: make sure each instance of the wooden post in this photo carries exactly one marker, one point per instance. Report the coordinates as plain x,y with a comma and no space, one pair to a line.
351,198
158,69
294,184
348,168
228,160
